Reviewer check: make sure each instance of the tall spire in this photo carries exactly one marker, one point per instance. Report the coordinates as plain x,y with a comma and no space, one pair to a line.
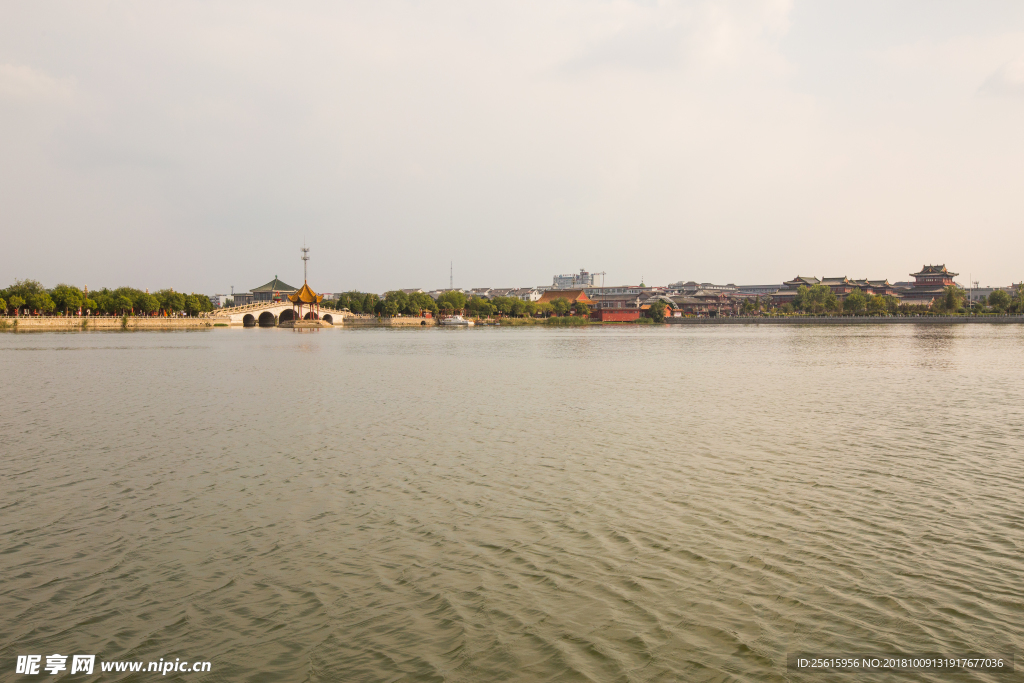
305,259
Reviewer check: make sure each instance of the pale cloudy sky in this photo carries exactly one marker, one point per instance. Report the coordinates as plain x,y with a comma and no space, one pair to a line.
196,144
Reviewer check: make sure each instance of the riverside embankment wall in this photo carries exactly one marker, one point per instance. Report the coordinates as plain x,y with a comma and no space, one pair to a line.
374,321
69,324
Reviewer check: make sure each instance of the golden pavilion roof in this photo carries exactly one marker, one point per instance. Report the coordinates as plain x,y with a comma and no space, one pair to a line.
305,296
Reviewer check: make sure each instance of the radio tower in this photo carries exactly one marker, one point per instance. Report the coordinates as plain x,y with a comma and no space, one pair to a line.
451,275
305,259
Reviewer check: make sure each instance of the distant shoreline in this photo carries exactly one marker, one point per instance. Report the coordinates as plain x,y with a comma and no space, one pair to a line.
852,320
88,324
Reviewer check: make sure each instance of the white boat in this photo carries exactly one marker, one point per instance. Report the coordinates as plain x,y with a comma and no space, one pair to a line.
457,321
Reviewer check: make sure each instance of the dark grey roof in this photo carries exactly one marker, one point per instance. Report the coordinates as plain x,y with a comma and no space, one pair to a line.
274,285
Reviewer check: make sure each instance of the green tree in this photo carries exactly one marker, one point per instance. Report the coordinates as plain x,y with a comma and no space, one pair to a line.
67,298
799,299
170,301
16,303
419,301
124,304
560,306
950,300
149,304
395,300
518,308
25,290
502,304
105,301
195,304
42,302
657,311
855,302
999,300
583,310
455,298
545,309
89,305
818,299
479,306
876,305
3,306
787,308
1017,305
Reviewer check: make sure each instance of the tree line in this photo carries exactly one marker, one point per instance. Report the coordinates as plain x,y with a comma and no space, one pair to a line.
819,299
30,297
397,302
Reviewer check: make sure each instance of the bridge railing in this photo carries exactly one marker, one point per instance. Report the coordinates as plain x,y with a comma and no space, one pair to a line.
255,306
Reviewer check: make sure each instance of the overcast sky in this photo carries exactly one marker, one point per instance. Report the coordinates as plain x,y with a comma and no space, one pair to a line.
195,145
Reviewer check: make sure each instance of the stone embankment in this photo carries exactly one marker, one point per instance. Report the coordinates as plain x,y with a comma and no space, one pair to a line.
851,320
357,320
74,323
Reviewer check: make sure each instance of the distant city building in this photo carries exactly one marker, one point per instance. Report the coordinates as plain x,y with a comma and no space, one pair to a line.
754,290
527,293
691,286
218,300
575,281
976,294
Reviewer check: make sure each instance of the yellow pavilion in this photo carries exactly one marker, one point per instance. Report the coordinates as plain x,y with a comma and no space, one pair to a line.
306,297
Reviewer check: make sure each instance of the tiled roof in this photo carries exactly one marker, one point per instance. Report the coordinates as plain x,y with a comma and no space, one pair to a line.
935,270
305,296
573,295
275,285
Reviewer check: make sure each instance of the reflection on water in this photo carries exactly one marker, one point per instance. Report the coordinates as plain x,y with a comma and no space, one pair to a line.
512,504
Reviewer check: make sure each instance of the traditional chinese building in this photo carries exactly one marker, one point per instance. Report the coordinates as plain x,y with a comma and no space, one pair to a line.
929,284
306,298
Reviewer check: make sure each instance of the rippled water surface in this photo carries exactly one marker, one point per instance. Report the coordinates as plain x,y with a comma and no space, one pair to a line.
512,504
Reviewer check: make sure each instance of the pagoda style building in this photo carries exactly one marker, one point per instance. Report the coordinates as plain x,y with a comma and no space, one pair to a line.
929,284
306,297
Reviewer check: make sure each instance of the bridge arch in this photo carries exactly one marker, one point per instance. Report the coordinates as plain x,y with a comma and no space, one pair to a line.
267,319
249,320
286,315
311,316
328,318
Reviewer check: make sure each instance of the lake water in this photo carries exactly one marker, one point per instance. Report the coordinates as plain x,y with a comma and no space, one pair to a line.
512,504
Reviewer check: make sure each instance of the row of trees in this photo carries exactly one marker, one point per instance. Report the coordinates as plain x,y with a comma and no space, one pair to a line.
821,299
1000,301
28,296
398,302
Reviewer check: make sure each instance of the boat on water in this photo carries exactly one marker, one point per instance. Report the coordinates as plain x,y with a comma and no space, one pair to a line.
456,321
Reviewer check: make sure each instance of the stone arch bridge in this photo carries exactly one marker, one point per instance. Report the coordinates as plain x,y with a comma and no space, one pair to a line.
266,314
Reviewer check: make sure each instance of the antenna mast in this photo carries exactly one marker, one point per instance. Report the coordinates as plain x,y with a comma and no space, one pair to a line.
305,259
451,275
